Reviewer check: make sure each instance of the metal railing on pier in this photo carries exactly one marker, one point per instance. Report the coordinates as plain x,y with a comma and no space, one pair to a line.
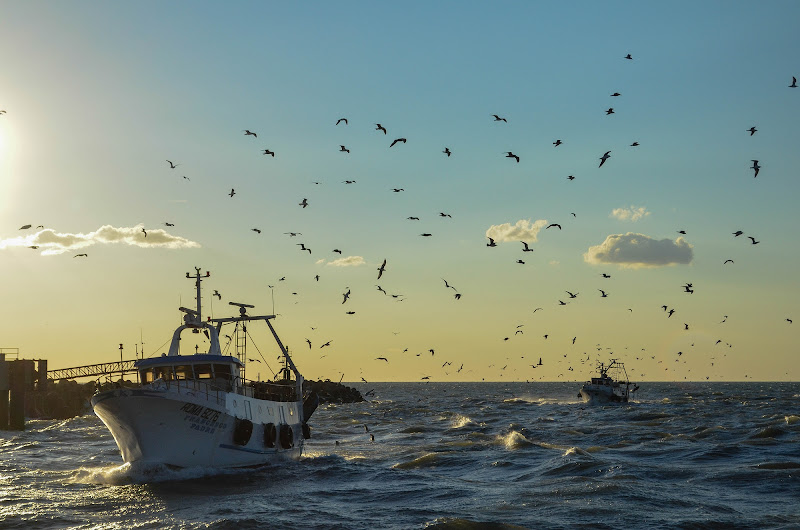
92,370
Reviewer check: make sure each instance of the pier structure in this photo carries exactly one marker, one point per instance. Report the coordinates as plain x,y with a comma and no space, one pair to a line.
18,377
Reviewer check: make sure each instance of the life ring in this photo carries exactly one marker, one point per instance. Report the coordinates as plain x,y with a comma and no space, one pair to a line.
287,436
242,431
270,433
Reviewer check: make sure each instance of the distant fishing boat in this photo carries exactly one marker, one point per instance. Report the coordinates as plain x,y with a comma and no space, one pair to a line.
199,410
614,388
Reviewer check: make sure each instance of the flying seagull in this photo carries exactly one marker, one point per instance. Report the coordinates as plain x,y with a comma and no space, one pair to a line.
557,143
268,152
398,140
343,149
629,57
80,255
509,154
380,128
172,165
756,167
604,158
381,269
232,193
303,203
794,82
341,120
752,130
447,151
249,133
491,243
610,111
553,224
498,118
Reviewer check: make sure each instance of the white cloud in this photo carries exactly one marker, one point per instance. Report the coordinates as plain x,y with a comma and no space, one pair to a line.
349,261
629,214
638,250
523,230
51,242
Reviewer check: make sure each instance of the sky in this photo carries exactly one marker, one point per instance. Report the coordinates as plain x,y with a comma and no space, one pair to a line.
99,96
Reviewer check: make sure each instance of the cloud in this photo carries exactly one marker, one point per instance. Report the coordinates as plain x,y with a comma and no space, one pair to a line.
521,231
51,242
629,214
349,261
635,251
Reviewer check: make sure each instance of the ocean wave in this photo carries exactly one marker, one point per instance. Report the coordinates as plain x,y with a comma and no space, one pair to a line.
426,460
141,473
791,420
768,432
460,421
456,523
515,440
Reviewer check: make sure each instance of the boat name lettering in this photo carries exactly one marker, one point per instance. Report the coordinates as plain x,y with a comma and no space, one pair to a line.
199,410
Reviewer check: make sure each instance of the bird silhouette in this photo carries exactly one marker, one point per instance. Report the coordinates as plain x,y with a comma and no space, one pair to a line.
509,154
24,227
340,120
412,218
343,149
794,82
232,193
491,243
737,233
525,247
144,232
615,94
753,240
752,130
634,144
303,247
303,203
610,111
381,269
629,57
447,151
756,167
380,127
249,133
398,140
256,230
337,251
268,152
557,143
168,224
80,255
570,177
172,165
498,118
605,157
553,224
603,294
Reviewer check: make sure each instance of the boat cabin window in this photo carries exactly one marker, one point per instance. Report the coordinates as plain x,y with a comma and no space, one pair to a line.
163,372
147,376
183,372
222,371
202,371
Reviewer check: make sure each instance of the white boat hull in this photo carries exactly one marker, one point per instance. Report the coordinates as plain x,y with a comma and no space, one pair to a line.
181,428
600,394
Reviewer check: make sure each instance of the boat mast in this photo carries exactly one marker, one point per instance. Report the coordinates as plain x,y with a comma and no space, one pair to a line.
197,279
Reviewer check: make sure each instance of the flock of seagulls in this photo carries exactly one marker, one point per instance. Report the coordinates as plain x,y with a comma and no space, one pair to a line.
382,269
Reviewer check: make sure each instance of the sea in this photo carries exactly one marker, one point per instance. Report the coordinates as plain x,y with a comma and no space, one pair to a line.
447,455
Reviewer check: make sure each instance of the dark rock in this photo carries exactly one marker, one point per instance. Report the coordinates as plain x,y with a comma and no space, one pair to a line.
330,392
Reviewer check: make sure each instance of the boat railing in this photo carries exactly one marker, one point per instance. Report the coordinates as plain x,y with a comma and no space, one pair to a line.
215,390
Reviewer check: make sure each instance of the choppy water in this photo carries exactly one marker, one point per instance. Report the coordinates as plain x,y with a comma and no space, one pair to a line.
471,455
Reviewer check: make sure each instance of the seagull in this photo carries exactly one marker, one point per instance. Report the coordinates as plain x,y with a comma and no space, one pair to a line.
442,214
604,158
346,295
171,165
380,127
752,130
326,344
754,240
343,149
553,224
557,143
304,203
256,230
168,224
727,261
615,94
629,57
381,359
413,218
293,234
448,285
397,190
309,343
794,82
498,118
381,269
447,151
426,235
268,152
572,295
570,177
144,231
512,155
604,275
520,262
337,251
216,293
232,193
670,312
458,296
634,144
756,167
525,247
247,132
341,120
737,233
491,243
303,247
349,181
80,255
610,111
398,140
603,294
24,227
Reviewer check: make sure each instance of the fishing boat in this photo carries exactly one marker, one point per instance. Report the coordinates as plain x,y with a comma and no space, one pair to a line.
613,388
200,410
